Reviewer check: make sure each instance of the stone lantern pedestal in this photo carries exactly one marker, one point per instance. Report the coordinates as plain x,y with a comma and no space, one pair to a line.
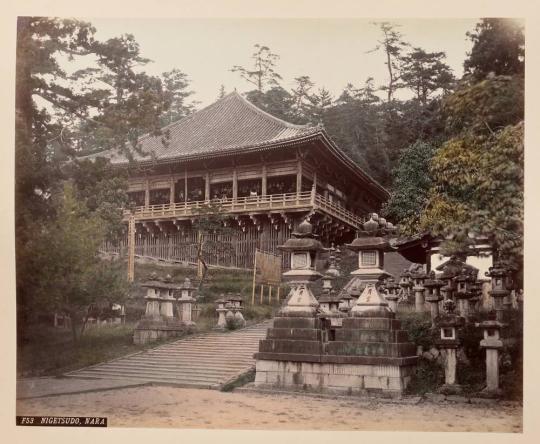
449,342
419,291
492,344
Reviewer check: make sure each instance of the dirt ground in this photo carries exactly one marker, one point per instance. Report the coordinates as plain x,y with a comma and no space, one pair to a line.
191,408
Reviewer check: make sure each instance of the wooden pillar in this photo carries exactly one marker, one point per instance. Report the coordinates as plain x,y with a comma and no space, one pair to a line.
171,201
263,181
207,186
147,194
131,249
235,184
299,176
185,185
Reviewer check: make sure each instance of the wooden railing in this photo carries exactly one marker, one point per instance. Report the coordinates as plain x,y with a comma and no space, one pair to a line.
286,201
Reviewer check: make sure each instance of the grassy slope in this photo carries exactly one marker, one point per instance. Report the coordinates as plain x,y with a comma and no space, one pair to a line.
44,350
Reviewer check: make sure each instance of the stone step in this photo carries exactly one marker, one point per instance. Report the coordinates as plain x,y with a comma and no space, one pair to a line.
149,373
155,378
188,364
199,361
161,368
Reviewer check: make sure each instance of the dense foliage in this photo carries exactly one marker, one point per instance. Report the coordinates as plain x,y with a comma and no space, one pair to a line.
66,207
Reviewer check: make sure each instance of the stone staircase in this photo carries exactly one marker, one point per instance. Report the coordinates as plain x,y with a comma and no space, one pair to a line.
202,361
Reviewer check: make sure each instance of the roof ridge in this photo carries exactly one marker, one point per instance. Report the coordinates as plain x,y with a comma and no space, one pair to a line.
270,116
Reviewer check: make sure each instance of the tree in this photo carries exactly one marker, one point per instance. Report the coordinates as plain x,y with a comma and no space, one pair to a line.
320,102
102,190
498,48
478,191
392,45
108,103
176,84
478,173
411,184
62,271
210,224
222,92
425,73
301,94
276,101
263,74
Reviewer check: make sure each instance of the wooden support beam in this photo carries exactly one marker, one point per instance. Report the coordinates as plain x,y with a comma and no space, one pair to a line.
207,186
299,176
171,201
131,249
263,180
147,194
185,185
235,183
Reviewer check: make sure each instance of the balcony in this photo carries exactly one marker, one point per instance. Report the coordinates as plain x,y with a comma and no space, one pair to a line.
304,201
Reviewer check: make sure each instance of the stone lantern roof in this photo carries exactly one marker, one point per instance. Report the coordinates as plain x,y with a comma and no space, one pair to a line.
187,285
371,238
303,239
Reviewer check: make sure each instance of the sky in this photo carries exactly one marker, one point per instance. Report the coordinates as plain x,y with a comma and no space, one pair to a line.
333,52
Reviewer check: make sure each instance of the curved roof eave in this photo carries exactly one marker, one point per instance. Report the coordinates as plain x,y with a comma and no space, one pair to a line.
319,134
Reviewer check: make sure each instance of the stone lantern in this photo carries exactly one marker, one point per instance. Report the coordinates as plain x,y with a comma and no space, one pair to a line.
392,295
327,282
433,295
499,287
370,246
237,305
185,301
304,249
419,278
449,342
405,282
346,302
332,263
156,290
338,260
450,269
158,321
167,297
492,343
464,292
221,310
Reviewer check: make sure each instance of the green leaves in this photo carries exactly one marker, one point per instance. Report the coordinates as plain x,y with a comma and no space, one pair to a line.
412,182
499,48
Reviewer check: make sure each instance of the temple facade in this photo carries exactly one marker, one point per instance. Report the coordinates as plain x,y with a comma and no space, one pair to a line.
265,174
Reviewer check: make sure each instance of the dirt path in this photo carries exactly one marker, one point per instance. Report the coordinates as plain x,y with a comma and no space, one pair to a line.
190,408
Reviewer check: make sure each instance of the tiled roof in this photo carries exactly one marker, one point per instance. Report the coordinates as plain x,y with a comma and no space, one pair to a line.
230,124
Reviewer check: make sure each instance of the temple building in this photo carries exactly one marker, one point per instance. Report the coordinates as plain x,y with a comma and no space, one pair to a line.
263,172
